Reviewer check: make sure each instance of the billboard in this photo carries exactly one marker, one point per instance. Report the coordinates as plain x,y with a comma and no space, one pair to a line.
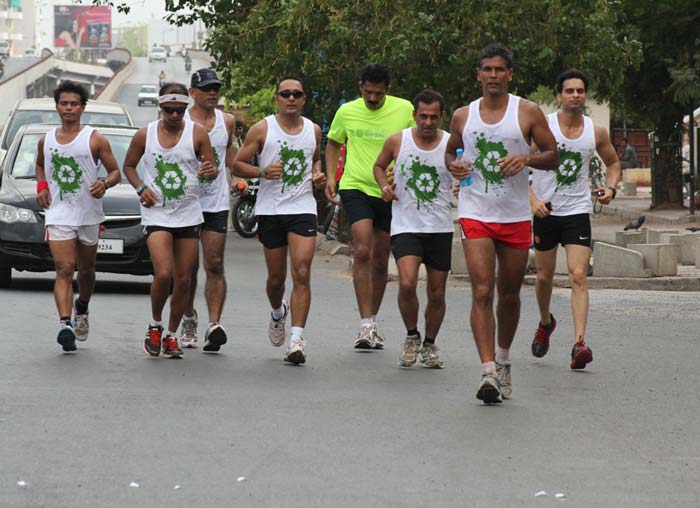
82,26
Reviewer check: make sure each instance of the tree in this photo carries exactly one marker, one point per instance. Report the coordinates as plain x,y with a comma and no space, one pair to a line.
135,39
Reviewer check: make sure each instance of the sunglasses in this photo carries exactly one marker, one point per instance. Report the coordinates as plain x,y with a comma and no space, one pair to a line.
297,94
209,88
170,110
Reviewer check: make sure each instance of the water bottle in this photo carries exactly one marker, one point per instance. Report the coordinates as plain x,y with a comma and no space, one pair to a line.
332,233
239,188
467,180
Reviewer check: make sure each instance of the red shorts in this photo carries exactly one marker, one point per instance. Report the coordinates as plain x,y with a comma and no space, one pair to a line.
515,235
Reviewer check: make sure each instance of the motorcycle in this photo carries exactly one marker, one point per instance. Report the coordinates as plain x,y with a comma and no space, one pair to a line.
244,220
188,65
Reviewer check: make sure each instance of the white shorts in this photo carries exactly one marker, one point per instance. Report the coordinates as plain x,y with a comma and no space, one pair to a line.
87,235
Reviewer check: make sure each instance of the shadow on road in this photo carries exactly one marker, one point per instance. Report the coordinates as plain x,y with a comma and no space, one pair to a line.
104,286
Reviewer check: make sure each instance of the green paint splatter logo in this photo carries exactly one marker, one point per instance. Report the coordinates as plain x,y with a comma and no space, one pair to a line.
489,152
203,180
423,180
570,164
170,180
292,166
67,174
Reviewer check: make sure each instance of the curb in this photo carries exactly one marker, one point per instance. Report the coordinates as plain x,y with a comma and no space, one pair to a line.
650,215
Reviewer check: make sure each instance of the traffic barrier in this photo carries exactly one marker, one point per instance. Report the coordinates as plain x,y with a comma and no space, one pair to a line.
614,261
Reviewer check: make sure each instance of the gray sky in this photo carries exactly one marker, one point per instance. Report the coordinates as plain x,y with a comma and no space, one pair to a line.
141,11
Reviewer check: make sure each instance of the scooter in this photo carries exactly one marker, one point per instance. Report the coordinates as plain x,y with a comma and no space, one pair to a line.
243,214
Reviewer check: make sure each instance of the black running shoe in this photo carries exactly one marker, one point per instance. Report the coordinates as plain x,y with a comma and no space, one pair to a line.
540,344
66,337
152,343
214,338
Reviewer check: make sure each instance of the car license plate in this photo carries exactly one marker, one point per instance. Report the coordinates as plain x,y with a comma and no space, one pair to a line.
105,246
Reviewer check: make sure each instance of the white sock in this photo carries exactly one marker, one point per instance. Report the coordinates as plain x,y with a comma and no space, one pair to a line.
502,355
187,318
374,318
488,368
278,314
211,323
155,323
366,321
169,334
297,333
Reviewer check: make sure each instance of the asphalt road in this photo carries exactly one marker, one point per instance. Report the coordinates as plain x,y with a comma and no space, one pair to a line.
348,428
146,73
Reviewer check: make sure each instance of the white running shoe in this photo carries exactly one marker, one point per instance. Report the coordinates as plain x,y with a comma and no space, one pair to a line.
489,389
81,325
276,331
295,352
188,330
429,357
365,339
377,336
214,338
409,355
503,375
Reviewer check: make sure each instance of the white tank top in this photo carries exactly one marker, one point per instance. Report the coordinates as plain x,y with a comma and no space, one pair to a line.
70,170
293,193
172,174
214,194
492,197
423,186
567,188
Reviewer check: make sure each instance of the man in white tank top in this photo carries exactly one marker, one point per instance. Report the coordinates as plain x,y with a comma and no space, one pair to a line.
561,204
289,150
214,197
421,224
67,162
495,132
170,208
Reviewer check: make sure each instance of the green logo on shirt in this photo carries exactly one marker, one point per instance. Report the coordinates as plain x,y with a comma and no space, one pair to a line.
292,166
489,152
203,180
422,180
570,164
170,180
67,174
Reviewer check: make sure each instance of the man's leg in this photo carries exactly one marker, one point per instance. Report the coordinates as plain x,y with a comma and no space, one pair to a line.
64,256
380,267
512,264
434,314
301,254
276,261
545,261
408,266
161,249
188,337
577,259
213,244
86,259
362,268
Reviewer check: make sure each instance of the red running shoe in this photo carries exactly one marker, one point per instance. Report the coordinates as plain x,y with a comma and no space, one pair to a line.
152,343
580,355
171,348
540,344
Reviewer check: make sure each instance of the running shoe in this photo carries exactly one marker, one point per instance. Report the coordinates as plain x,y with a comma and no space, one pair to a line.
489,389
409,355
171,348
428,356
276,331
295,353
540,344
188,333
66,337
581,355
503,375
365,339
81,325
377,336
152,343
214,338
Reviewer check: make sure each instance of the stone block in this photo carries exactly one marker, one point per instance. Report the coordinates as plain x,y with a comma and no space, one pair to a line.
687,243
654,235
624,238
614,261
697,253
660,258
629,189
459,264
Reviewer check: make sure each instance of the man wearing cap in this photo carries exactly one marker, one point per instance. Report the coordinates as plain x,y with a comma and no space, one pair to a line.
214,197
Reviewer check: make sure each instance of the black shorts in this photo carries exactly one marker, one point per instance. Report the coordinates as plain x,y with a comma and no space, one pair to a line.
186,232
216,221
359,206
435,249
273,229
562,229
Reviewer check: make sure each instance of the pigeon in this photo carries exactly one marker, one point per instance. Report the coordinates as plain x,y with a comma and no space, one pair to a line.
636,223
694,229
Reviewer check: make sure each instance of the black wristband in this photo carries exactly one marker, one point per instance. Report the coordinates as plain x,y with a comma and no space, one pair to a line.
141,188
614,191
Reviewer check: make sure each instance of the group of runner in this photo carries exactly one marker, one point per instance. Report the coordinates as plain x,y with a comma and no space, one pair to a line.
396,191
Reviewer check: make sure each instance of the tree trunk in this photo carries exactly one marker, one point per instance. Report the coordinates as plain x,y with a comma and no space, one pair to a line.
666,174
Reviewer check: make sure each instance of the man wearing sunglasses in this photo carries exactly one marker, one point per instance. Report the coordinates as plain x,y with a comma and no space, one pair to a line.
214,196
170,209
363,125
289,153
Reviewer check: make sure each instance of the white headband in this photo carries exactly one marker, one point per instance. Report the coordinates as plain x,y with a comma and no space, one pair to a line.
173,97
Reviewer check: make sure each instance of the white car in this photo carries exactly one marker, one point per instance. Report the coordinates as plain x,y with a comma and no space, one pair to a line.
4,49
157,53
148,95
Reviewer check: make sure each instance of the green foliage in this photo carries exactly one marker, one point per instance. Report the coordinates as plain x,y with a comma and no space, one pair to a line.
260,103
135,39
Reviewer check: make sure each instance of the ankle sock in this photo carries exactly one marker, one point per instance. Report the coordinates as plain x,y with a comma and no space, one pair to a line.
366,321
296,333
65,320
188,318
154,323
488,368
278,314
412,332
428,341
81,307
502,355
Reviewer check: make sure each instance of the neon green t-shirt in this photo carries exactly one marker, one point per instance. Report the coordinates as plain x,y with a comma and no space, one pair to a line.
364,131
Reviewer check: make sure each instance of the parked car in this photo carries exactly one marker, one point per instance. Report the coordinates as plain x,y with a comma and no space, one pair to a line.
156,53
28,111
122,245
4,50
148,95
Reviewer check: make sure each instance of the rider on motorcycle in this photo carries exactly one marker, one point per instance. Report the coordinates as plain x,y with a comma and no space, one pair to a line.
161,77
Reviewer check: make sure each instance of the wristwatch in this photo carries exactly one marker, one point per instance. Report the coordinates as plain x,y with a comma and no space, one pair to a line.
614,191
141,188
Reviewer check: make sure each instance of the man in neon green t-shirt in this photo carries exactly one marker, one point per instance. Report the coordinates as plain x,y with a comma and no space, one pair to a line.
364,124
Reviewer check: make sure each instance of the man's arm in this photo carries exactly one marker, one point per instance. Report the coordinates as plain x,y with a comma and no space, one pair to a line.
337,135
318,177
230,155
548,157
252,145
100,146
44,196
133,155
205,152
606,150
388,154
459,120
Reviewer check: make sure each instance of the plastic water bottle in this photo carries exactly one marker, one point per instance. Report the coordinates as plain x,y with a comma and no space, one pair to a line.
467,180
239,188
